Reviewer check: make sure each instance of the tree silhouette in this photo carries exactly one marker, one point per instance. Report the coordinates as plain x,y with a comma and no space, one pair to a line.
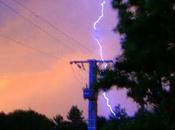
25,120
101,122
58,119
3,121
147,66
118,122
75,115
76,119
59,122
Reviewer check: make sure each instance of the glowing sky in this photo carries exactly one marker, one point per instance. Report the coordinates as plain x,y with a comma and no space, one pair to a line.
36,44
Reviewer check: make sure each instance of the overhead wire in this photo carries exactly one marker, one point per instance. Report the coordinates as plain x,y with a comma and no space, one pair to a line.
83,70
40,28
29,47
79,78
31,22
76,76
50,24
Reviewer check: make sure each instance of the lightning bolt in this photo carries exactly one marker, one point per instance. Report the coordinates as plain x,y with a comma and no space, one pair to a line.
101,51
107,103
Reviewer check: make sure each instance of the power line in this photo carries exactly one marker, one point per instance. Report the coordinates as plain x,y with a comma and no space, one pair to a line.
48,23
31,22
82,68
30,47
76,76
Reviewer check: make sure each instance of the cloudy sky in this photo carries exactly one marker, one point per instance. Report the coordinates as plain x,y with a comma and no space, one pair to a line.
38,38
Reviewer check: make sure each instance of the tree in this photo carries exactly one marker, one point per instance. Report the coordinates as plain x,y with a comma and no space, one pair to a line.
59,122
147,66
120,113
75,116
101,122
118,122
3,121
75,120
25,120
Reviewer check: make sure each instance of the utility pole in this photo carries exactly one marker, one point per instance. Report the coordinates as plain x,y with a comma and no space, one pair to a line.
89,92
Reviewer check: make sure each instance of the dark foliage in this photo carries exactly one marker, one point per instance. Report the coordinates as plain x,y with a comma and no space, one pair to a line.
75,120
25,120
147,66
31,120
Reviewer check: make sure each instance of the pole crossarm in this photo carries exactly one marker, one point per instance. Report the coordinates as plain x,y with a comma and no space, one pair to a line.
91,60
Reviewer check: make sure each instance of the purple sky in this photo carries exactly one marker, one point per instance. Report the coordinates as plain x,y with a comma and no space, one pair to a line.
29,78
